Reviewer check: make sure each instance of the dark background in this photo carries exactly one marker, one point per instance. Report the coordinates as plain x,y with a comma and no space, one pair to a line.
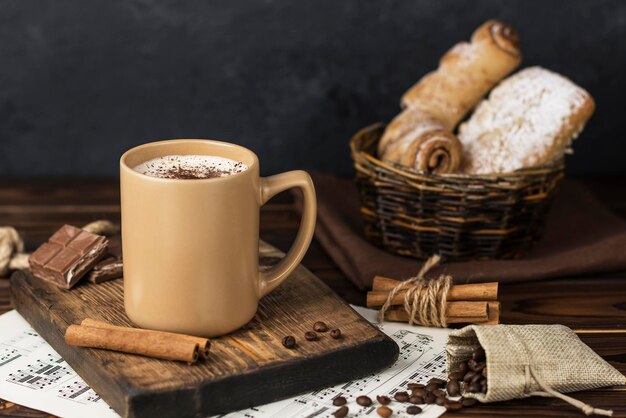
82,81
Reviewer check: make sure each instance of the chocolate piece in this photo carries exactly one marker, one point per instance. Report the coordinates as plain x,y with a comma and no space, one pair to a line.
67,256
107,269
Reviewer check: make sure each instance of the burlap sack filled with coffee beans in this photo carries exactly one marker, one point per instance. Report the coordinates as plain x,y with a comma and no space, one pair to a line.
532,360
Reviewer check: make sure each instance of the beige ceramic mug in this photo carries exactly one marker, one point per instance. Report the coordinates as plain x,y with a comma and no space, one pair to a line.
191,246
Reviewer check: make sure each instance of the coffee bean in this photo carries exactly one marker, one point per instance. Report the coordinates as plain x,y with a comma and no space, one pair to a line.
431,386
341,412
483,386
412,386
401,396
430,398
468,376
384,412
463,368
441,400
453,405
485,371
364,400
476,366
439,393
416,400
453,388
468,401
320,326
475,387
436,381
478,354
339,400
477,378
456,376
310,336
413,410
419,392
335,333
289,341
383,400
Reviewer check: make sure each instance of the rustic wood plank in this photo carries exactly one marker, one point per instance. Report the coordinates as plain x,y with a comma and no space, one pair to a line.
246,368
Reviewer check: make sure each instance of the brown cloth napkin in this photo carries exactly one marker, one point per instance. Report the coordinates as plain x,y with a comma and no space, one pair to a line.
582,237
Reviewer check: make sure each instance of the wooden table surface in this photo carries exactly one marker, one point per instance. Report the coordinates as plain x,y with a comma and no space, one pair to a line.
37,207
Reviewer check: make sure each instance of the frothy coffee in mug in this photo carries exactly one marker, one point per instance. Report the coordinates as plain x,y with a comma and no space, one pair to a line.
190,167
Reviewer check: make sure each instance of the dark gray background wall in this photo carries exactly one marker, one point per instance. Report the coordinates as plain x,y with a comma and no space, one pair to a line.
81,81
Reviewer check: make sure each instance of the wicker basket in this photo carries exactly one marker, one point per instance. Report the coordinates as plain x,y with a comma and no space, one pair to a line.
460,217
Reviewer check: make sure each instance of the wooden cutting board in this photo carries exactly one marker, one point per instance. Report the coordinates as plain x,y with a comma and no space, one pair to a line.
248,367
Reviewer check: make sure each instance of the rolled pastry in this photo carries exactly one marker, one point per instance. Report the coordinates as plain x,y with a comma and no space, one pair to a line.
417,139
466,73
528,120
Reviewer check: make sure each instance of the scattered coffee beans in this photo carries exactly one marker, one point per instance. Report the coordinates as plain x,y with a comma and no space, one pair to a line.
419,392
453,405
413,410
453,388
456,376
472,373
384,412
310,336
439,393
364,400
320,326
475,387
289,341
468,401
437,382
335,333
339,400
341,412
401,396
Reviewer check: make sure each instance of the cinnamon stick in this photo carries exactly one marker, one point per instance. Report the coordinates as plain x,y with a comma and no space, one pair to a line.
476,291
151,344
398,314
494,313
469,311
204,344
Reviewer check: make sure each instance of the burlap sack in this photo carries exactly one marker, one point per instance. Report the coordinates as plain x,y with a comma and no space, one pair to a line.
532,360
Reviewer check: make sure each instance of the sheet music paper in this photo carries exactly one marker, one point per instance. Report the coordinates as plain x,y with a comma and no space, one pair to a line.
34,375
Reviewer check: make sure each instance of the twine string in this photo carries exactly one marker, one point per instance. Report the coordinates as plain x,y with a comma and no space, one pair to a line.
425,300
13,257
549,392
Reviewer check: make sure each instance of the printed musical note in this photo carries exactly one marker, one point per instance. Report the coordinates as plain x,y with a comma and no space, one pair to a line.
41,374
78,391
19,345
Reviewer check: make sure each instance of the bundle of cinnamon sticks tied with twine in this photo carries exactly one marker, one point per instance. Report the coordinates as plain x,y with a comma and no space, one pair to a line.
434,302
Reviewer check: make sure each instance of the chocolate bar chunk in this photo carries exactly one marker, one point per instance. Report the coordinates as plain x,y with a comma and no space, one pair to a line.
67,256
108,269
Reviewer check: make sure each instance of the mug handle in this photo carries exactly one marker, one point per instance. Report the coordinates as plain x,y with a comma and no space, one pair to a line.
271,186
